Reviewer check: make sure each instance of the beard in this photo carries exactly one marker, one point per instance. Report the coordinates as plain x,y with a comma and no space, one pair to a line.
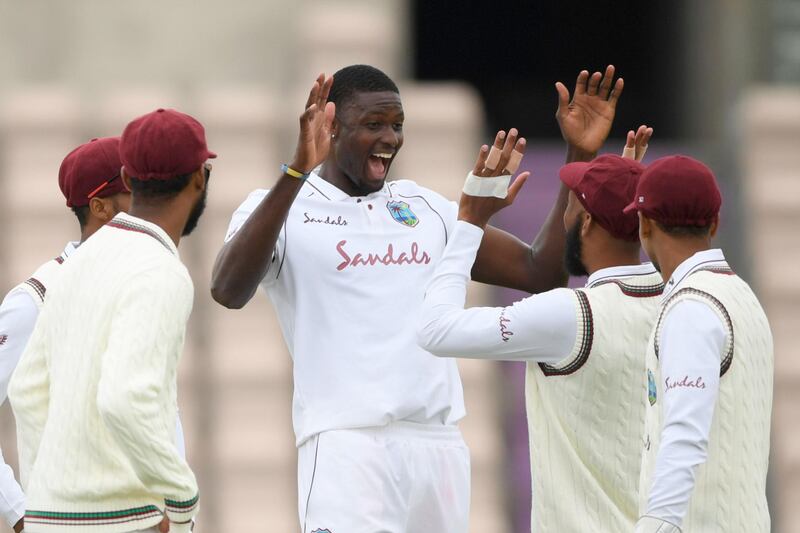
572,251
197,212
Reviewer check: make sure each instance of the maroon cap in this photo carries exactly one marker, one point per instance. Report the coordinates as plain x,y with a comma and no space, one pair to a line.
162,145
90,170
677,191
604,187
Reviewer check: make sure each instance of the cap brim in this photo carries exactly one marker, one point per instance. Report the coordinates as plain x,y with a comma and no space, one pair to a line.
572,173
631,207
211,155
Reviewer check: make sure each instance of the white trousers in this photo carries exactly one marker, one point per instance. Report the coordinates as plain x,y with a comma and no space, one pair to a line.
401,478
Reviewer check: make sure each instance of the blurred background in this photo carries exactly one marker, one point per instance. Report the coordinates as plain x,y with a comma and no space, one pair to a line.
716,79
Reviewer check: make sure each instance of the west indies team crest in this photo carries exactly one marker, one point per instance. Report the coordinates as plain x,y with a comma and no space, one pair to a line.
402,213
651,388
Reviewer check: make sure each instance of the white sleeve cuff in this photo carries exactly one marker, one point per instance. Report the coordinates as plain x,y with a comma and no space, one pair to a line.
468,233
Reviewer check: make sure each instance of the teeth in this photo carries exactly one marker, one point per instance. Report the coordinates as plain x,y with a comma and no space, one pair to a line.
383,156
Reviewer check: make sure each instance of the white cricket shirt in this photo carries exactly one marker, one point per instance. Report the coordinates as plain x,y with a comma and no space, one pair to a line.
347,281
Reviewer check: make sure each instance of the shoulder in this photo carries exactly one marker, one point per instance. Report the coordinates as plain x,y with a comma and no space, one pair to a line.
39,281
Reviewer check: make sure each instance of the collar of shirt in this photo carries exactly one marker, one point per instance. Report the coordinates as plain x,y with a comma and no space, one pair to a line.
69,249
617,272
703,259
334,194
128,222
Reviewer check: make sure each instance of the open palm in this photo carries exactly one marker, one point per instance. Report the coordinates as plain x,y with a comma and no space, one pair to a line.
314,141
586,120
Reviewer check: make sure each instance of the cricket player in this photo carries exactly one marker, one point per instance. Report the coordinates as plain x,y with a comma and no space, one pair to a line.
89,180
709,366
584,347
94,394
344,256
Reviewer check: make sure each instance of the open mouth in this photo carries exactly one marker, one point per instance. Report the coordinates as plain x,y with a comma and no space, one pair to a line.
378,164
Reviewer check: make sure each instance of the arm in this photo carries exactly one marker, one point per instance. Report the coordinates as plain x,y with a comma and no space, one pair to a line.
692,341
29,392
539,328
18,315
585,122
245,257
149,322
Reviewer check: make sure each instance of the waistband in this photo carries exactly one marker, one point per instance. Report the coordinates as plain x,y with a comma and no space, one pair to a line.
411,430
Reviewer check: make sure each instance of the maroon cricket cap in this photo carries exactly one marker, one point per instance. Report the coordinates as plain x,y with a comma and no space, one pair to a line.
162,145
92,169
677,191
604,187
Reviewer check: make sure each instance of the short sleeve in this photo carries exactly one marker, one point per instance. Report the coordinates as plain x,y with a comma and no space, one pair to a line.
240,217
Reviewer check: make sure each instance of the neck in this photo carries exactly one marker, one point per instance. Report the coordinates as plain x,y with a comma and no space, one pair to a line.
677,251
331,173
612,260
166,216
606,253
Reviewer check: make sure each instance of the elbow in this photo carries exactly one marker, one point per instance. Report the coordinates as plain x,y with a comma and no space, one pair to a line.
427,337
226,297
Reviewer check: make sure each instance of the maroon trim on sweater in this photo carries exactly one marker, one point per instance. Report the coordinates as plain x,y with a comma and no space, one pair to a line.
138,228
587,339
725,364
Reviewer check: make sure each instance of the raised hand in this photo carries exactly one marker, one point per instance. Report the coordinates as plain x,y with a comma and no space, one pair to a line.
636,143
585,121
478,210
314,140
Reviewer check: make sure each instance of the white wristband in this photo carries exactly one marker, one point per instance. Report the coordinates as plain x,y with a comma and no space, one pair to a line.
650,524
486,187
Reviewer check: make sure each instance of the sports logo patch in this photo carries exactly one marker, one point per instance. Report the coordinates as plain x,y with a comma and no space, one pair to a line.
3,339
651,388
402,213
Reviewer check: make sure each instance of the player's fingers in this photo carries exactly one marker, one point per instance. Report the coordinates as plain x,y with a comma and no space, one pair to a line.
615,92
505,155
480,164
494,153
594,81
605,83
516,156
314,93
326,90
306,118
629,142
516,186
330,114
563,98
580,83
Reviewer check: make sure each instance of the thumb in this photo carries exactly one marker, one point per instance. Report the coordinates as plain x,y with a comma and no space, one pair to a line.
516,186
563,98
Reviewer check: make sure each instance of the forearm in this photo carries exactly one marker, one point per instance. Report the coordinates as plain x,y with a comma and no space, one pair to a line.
244,259
540,328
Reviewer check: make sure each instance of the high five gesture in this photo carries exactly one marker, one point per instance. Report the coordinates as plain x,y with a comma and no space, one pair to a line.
314,140
585,121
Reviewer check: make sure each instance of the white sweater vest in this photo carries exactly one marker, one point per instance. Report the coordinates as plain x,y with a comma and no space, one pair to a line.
730,488
37,284
585,415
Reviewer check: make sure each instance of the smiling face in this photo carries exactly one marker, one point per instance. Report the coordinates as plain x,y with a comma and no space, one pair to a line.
368,134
